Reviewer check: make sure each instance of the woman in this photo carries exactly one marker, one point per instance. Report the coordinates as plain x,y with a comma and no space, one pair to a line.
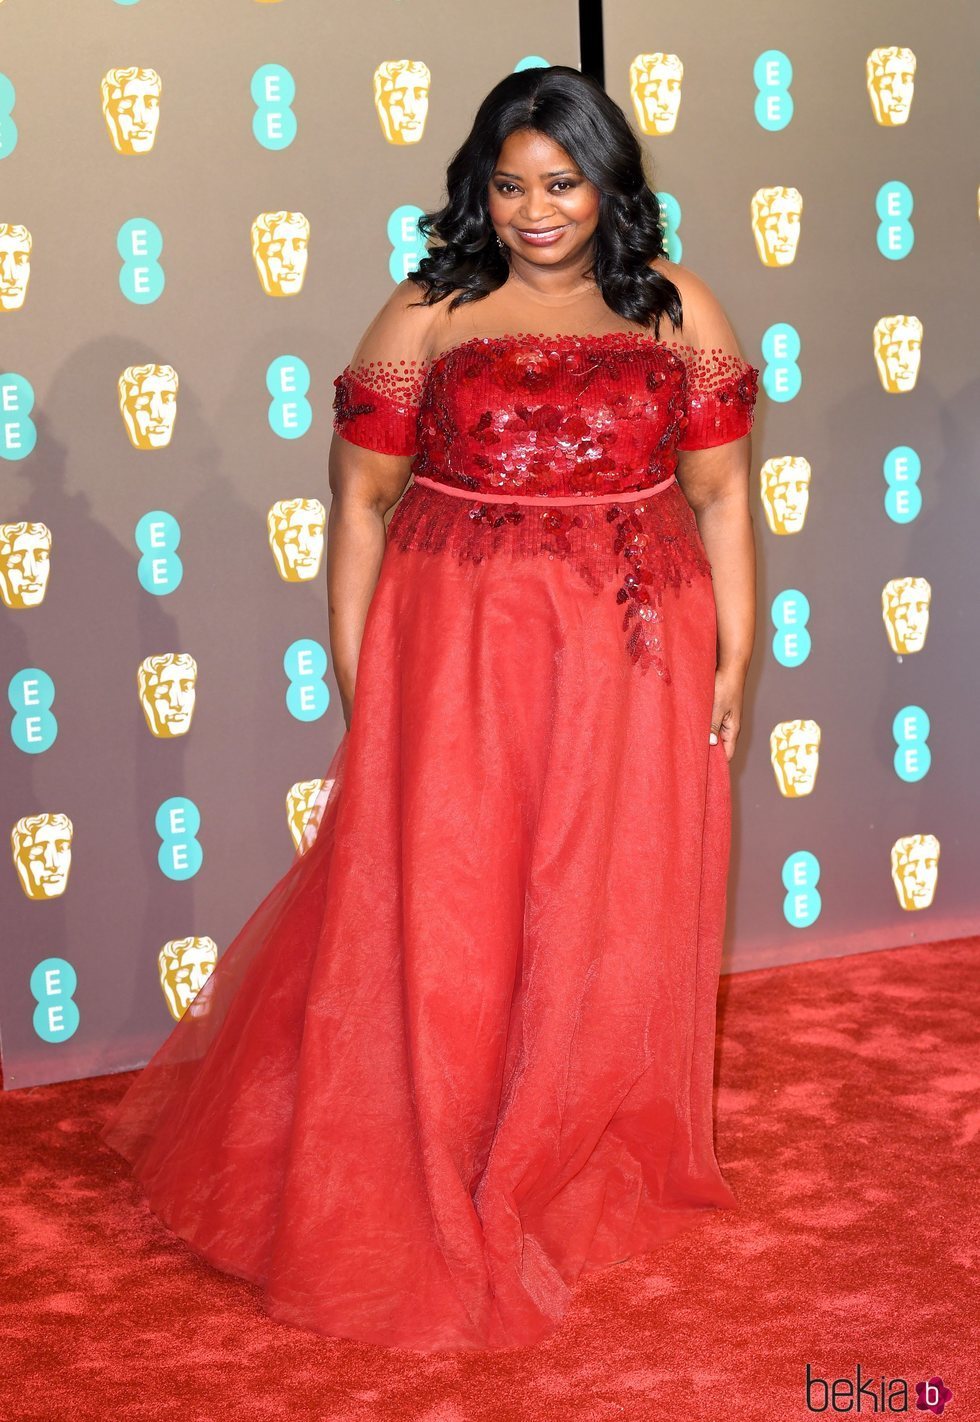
462,1052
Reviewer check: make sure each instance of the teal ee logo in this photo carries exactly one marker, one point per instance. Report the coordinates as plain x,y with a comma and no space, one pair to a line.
407,243
18,435
157,536
913,757
896,235
273,91
140,244
670,222
305,665
772,75
790,615
903,498
8,129
781,377
53,985
31,694
288,382
531,61
801,906
178,822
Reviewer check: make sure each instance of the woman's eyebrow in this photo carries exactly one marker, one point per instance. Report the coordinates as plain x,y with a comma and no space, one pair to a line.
561,173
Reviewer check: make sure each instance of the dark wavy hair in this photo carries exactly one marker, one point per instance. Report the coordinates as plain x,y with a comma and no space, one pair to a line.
577,114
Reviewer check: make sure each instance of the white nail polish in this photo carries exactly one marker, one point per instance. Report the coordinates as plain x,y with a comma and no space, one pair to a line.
713,739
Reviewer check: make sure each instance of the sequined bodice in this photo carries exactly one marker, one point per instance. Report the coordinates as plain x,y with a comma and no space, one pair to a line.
565,414
498,425
558,416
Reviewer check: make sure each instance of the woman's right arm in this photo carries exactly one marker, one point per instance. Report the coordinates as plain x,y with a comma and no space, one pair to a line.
370,463
364,485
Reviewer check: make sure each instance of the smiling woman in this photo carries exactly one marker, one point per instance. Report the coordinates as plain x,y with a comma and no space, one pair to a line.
461,1054
545,203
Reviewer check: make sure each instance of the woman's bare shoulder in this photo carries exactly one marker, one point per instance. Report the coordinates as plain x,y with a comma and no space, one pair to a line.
406,303
435,321
702,309
401,328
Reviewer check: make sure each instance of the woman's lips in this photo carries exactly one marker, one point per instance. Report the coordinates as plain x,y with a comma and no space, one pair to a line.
543,238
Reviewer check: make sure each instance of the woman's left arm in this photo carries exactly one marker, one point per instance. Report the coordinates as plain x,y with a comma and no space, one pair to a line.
716,484
713,471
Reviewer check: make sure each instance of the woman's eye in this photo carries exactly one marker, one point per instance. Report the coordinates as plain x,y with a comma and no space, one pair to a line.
562,183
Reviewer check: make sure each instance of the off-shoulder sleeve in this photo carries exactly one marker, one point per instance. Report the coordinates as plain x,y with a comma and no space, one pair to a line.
721,395
722,387
377,394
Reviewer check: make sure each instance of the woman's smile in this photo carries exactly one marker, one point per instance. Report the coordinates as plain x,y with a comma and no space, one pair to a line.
543,236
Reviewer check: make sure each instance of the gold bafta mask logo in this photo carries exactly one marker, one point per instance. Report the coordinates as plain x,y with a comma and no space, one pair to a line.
131,104
891,84
148,401
655,88
303,812
785,490
25,562
167,688
185,965
794,749
915,869
15,265
776,217
296,537
401,97
905,609
280,249
898,352
42,854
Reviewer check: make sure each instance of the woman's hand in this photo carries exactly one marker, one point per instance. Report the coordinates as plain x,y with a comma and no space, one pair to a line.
726,713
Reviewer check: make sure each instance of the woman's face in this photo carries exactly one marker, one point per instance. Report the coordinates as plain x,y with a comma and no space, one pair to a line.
537,188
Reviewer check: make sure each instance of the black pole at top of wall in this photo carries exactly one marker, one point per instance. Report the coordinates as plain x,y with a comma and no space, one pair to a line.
590,39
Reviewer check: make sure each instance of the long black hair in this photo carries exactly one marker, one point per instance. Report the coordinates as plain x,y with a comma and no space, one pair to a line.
577,114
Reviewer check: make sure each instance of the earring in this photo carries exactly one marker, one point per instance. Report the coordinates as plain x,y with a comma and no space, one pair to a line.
500,244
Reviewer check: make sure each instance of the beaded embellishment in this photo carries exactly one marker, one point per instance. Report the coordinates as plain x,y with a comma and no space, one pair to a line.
560,415
379,400
634,550
376,405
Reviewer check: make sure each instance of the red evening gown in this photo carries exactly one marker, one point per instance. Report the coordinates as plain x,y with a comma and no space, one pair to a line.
461,1053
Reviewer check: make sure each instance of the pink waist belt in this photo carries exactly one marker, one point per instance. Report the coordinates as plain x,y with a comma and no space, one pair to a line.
483,497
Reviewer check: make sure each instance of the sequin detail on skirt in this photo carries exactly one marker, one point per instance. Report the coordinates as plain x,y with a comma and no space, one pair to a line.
632,551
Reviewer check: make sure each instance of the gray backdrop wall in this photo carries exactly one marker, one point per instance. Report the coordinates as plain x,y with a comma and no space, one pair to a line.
200,209
823,160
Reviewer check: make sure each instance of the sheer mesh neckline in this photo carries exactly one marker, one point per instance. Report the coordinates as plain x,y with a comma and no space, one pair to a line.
706,371
562,337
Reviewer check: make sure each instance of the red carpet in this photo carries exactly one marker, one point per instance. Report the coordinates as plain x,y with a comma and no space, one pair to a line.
848,1123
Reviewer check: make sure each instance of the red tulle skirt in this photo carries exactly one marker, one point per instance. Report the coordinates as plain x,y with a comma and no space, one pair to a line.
462,1052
